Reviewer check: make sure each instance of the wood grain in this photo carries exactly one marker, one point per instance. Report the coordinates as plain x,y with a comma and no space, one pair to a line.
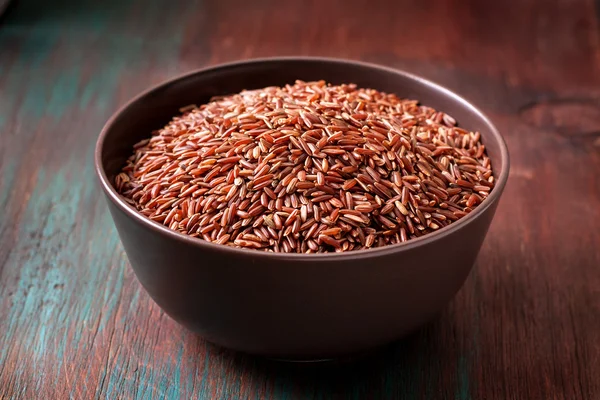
74,322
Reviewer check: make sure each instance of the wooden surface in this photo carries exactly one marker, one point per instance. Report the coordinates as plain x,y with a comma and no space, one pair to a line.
74,321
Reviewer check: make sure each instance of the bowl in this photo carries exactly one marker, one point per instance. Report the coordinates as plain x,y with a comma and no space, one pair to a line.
3,6
294,306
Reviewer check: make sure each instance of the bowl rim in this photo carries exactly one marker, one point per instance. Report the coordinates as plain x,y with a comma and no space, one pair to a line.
354,254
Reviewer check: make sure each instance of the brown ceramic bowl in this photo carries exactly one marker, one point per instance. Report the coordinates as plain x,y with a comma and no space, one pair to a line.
294,306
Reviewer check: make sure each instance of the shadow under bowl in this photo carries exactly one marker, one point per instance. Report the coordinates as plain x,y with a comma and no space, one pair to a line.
294,306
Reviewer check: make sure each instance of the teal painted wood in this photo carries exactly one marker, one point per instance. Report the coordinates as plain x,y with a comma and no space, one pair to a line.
74,321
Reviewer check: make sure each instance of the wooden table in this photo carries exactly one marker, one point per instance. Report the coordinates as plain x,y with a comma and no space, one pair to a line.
74,321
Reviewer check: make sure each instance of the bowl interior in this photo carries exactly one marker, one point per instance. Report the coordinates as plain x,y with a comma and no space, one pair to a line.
153,109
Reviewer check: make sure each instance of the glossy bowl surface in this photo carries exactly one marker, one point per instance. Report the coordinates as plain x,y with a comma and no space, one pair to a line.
294,306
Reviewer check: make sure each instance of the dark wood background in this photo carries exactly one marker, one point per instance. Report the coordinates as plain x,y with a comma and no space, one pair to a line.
74,321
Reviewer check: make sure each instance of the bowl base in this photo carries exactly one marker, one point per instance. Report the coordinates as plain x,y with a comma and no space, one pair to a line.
344,359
